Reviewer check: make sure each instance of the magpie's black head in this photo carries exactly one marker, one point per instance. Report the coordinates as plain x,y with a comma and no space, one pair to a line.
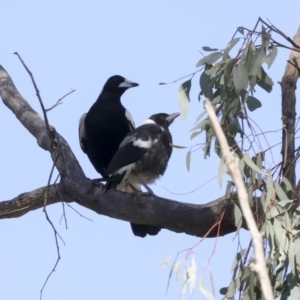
164,120
117,85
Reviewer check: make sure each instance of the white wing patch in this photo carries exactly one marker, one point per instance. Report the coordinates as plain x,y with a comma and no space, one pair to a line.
126,169
144,144
130,119
82,132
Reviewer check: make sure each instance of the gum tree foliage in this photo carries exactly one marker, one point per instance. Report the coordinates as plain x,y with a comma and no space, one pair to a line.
229,78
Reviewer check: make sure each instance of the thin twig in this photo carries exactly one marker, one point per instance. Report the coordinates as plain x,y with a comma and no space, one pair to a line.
36,90
82,216
56,234
58,102
233,167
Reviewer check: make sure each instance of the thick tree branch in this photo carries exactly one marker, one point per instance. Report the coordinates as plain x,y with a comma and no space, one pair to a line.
288,88
232,164
74,186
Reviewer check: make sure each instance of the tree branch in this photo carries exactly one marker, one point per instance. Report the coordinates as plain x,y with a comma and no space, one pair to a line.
288,88
232,164
142,208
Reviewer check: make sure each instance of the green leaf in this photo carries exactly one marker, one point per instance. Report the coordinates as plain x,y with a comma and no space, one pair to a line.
201,125
253,103
256,61
177,146
166,261
184,98
252,165
240,77
237,259
264,81
212,283
192,271
203,290
293,286
238,217
228,71
204,84
184,286
279,191
195,133
188,160
291,254
270,191
265,37
279,234
288,186
229,46
209,59
208,49
231,290
177,269
269,59
247,55
297,250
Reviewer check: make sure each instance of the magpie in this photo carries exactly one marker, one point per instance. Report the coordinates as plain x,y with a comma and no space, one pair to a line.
142,158
106,124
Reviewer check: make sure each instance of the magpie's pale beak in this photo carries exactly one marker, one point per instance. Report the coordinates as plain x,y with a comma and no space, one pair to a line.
128,84
171,117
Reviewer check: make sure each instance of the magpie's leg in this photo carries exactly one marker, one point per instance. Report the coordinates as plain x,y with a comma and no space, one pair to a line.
133,187
144,185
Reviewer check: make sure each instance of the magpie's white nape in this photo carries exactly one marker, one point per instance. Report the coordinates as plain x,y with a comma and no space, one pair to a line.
143,156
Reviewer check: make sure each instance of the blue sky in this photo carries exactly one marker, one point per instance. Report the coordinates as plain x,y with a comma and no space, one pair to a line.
78,45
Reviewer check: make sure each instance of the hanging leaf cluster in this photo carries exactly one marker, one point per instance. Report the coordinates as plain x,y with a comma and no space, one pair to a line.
228,79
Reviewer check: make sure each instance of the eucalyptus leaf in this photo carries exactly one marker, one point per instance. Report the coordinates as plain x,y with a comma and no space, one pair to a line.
288,186
212,283
184,98
208,49
240,77
229,46
177,146
264,81
209,59
238,217
253,103
188,160
256,61
204,84
195,133
203,290
201,125
252,165
279,191
269,59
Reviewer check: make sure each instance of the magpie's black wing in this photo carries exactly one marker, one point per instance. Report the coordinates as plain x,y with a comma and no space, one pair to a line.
130,120
134,146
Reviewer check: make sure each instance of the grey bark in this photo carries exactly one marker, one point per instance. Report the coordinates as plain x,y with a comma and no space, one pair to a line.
74,186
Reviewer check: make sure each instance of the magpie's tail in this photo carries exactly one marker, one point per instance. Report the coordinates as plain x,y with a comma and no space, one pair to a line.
142,230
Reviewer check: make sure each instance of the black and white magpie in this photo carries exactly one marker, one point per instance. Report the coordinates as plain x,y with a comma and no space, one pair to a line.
106,124
142,158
